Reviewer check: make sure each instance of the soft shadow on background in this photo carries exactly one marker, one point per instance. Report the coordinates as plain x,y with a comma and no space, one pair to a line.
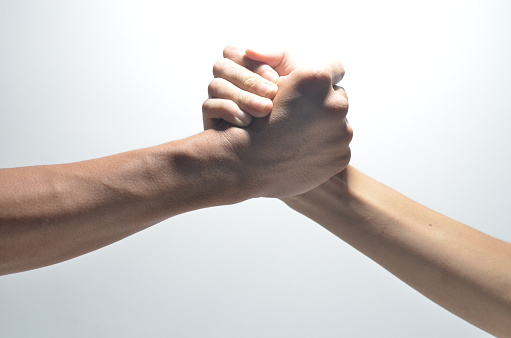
429,101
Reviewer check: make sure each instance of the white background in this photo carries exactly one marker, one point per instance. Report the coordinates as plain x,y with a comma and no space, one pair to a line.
429,102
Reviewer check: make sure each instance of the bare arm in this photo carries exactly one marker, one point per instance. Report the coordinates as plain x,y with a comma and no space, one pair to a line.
53,213
49,214
456,266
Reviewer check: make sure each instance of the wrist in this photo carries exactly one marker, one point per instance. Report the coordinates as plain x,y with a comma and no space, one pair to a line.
352,197
202,170
332,200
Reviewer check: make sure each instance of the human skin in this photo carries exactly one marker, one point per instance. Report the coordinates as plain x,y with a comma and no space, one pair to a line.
49,214
303,93
463,270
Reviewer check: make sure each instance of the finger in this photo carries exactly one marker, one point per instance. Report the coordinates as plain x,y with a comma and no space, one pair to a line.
214,110
345,159
253,104
281,61
341,91
348,131
336,71
237,55
267,72
337,102
244,78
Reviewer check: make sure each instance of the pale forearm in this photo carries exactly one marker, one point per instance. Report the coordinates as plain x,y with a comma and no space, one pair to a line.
52,213
460,268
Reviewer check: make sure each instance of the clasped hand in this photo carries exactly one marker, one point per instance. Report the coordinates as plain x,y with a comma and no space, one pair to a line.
303,141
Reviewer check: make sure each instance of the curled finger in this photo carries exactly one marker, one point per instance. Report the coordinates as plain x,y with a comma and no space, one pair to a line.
239,55
215,110
244,78
341,90
253,104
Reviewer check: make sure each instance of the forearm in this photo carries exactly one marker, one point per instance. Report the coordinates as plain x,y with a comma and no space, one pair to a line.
53,213
458,267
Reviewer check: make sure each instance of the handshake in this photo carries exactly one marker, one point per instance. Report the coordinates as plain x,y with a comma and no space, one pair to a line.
274,128
295,135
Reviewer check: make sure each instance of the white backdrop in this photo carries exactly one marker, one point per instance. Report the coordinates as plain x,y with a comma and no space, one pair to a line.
429,102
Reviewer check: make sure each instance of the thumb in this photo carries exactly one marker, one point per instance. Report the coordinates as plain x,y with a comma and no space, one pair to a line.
278,60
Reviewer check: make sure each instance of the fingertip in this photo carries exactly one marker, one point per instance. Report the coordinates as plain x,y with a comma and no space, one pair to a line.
207,123
271,95
271,58
269,74
254,55
230,50
242,119
278,59
267,90
261,106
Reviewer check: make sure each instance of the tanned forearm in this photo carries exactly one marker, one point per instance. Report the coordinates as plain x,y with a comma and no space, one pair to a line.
52,213
458,267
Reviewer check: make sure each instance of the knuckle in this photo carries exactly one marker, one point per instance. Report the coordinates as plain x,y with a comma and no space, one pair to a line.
338,104
344,105
313,79
348,135
219,67
228,51
318,74
345,158
218,108
341,90
214,87
228,106
341,69
344,94
337,70
341,159
250,83
211,89
243,100
206,105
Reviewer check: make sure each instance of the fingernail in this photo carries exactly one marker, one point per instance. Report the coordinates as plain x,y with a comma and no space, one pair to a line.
270,75
260,104
243,118
264,89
